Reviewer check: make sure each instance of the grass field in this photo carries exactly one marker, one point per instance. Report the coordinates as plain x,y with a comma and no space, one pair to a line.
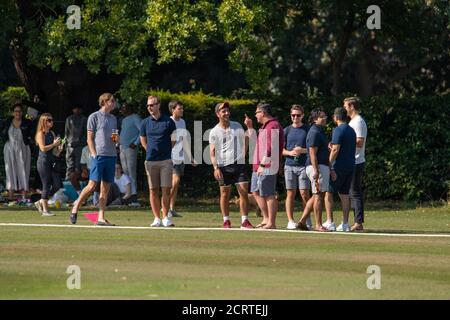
224,264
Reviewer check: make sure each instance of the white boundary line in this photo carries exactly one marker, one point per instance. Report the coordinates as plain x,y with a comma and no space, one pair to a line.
225,230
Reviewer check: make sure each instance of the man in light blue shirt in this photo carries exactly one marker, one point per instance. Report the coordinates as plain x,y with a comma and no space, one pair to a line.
129,141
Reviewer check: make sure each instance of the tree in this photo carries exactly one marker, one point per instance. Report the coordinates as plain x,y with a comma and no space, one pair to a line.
284,48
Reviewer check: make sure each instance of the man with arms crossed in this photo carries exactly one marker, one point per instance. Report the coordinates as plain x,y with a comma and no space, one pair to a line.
102,147
158,138
351,104
228,146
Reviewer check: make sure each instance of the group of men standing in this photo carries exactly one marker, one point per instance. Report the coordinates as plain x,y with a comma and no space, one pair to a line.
311,163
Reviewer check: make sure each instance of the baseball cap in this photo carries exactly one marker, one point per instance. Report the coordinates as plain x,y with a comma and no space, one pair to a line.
222,105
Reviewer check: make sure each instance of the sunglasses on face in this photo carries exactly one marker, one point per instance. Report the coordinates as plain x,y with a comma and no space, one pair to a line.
49,120
296,115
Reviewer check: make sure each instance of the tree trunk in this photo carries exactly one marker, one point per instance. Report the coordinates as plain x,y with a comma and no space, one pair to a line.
338,59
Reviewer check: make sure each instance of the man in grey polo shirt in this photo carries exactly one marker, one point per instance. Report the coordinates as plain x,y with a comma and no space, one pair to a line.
102,138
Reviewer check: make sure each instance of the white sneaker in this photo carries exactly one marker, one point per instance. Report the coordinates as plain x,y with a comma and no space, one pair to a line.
167,222
331,226
309,223
134,204
343,228
48,214
291,225
156,223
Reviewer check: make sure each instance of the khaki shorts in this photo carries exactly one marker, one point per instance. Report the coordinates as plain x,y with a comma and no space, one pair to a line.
323,181
159,173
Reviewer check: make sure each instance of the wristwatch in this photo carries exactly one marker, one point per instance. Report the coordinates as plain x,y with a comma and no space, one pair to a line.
262,165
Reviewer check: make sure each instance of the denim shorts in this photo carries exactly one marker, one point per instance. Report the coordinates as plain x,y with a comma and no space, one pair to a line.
296,178
266,185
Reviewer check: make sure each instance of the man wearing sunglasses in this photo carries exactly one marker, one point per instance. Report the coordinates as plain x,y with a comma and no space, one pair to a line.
158,136
295,161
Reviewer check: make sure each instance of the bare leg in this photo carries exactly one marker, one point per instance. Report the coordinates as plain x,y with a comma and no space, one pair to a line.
83,195
155,202
225,200
307,210
318,204
174,190
104,188
329,202
263,206
290,198
165,200
305,197
44,203
242,189
272,205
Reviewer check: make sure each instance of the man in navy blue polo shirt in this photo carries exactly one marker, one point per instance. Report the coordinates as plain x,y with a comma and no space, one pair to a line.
157,138
317,167
342,159
295,160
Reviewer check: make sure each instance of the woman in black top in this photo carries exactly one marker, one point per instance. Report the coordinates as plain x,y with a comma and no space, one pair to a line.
49,148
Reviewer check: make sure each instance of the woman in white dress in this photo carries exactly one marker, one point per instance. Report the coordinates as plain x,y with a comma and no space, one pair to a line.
16,152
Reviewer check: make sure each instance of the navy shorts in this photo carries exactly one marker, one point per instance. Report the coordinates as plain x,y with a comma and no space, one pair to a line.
342,183
103,169
233,174
178,169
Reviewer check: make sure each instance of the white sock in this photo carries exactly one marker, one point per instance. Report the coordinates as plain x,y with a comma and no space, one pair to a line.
243,218
226,218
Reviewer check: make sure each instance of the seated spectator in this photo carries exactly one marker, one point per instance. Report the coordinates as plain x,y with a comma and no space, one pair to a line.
124,183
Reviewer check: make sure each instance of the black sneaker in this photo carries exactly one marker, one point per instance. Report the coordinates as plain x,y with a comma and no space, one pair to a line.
105,223
173,213
73,218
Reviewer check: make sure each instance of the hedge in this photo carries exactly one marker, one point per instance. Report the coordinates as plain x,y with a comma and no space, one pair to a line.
407,150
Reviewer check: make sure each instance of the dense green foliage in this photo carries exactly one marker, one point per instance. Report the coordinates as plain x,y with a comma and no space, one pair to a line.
407,151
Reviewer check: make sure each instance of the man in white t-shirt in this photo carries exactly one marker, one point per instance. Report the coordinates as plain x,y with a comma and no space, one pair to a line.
351,104
124,183
181,152
228,146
